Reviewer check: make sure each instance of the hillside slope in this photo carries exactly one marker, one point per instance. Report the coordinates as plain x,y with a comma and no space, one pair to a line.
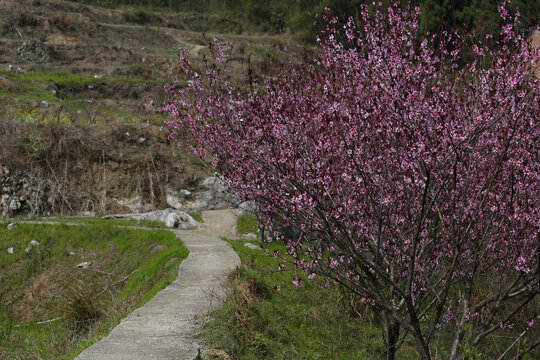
74,133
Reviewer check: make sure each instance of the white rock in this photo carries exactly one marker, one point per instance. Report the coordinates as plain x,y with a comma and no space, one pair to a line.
71,253
11,226
84,265
250,236
34,243
172,220
10,250
174,201
251,246
141,140
14,205
27,250
185,193
187,222
180,219
44,104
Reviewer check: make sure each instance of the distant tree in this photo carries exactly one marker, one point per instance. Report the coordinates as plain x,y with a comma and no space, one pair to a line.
411,172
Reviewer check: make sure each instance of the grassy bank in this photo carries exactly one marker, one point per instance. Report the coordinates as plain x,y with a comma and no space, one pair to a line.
266,316
258,321
52,309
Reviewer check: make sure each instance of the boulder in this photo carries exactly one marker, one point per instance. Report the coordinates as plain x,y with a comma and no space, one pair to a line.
172,220
215,196
14,205
250,236
174,200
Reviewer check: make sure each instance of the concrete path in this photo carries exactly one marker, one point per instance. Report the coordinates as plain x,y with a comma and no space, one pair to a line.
166,326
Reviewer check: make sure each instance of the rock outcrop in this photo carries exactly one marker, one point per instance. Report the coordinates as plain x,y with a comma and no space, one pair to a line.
215,196
170,217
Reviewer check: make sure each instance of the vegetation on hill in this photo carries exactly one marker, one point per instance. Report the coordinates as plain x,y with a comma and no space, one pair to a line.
277,16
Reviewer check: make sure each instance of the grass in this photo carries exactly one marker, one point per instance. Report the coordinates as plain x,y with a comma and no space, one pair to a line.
108,221
247,224
265,316
197,216
129,266
263,53
34,85
260,322
65,78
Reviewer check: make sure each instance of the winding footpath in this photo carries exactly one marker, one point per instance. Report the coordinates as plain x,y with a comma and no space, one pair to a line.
165,328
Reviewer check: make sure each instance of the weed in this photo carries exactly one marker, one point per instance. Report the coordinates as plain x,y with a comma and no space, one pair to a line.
26,19
61,21
140,17
82,309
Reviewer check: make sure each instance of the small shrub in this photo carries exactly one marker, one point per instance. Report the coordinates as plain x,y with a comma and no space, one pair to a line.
50,49
261,344
61,21
82,309
176,25
89,29
259,288
140,17
26,19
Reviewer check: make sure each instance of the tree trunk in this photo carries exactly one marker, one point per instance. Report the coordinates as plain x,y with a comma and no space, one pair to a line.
390,329
423,350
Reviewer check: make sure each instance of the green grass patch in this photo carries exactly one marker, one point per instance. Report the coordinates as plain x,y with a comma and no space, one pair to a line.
197,216
260,322
42,282
195,161
108,221
36,85
65,78
263,53
247,224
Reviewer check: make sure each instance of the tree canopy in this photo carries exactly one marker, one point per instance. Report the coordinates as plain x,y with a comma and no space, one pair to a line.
410,171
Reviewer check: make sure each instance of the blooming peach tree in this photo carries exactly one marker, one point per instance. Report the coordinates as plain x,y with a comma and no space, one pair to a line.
409,167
